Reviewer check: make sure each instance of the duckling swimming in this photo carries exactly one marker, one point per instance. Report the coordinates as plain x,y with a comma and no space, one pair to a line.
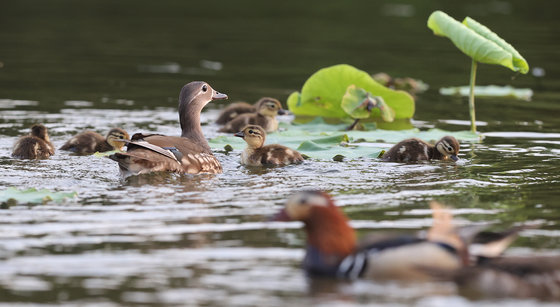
256,154
265,117
237,108
412,150
36,145
89,142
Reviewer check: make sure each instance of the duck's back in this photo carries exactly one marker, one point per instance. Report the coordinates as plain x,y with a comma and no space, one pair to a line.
269,124
166,153
87,142
409,150
31,147
275,155
234,110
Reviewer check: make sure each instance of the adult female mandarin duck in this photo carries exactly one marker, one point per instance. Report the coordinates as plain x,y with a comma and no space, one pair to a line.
238,108
412,150
89,142
188,153
256,154
36,145
333,250
264,117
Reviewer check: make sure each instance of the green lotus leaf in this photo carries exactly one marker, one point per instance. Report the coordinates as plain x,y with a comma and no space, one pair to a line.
322,93
359,103
318,140
477,41
489,91
34,196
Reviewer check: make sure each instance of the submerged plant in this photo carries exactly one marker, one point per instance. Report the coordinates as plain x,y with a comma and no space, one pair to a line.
479,43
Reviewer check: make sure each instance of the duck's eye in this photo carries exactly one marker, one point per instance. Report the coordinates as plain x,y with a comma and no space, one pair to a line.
251,131
449,149
204,88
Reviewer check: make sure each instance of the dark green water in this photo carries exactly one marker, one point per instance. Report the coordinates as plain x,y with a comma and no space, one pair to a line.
204,240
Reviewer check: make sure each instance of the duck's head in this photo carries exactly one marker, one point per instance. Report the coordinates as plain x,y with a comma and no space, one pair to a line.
326,225
199,94
40,131
254,135
115,137
448,146
268,106
193,97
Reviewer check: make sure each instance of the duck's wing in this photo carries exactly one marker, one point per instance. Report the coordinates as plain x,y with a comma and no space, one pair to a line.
151,153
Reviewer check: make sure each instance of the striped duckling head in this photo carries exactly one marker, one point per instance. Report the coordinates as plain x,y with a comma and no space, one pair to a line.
448,146
269,107
254,135
115,137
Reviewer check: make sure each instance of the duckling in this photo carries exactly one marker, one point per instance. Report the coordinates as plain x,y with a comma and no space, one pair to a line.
188,153
235,109
333,250
267,109
512,277
256,154
36,145
412,150
89,142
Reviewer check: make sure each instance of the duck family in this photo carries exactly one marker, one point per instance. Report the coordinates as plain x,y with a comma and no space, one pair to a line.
474,261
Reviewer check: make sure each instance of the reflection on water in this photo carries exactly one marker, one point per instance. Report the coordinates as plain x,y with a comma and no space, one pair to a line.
205,240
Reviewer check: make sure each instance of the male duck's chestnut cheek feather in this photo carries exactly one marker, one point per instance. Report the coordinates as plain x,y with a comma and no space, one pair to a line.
328,231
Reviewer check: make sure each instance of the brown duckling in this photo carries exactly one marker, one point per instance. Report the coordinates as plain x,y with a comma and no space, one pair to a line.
512,276
256,154
36,145
265,117
235,109
412,150
89,142
188,153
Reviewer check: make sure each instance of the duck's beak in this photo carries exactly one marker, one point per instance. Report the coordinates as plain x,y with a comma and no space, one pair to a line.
454,157
217,96
281,216
282,112
240,134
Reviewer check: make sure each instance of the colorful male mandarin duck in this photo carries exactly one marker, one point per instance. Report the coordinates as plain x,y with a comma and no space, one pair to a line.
256,154
412,150
238,108
264,117
333,250
36,145
188,153
89,142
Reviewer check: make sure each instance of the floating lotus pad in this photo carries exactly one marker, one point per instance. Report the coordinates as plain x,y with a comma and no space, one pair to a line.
321,94
320,141
34,196
490,91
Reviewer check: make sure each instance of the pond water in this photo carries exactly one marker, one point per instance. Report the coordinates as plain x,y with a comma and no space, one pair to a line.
167,239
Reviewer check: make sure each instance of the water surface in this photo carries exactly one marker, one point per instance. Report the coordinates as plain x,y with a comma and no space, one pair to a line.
205,240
